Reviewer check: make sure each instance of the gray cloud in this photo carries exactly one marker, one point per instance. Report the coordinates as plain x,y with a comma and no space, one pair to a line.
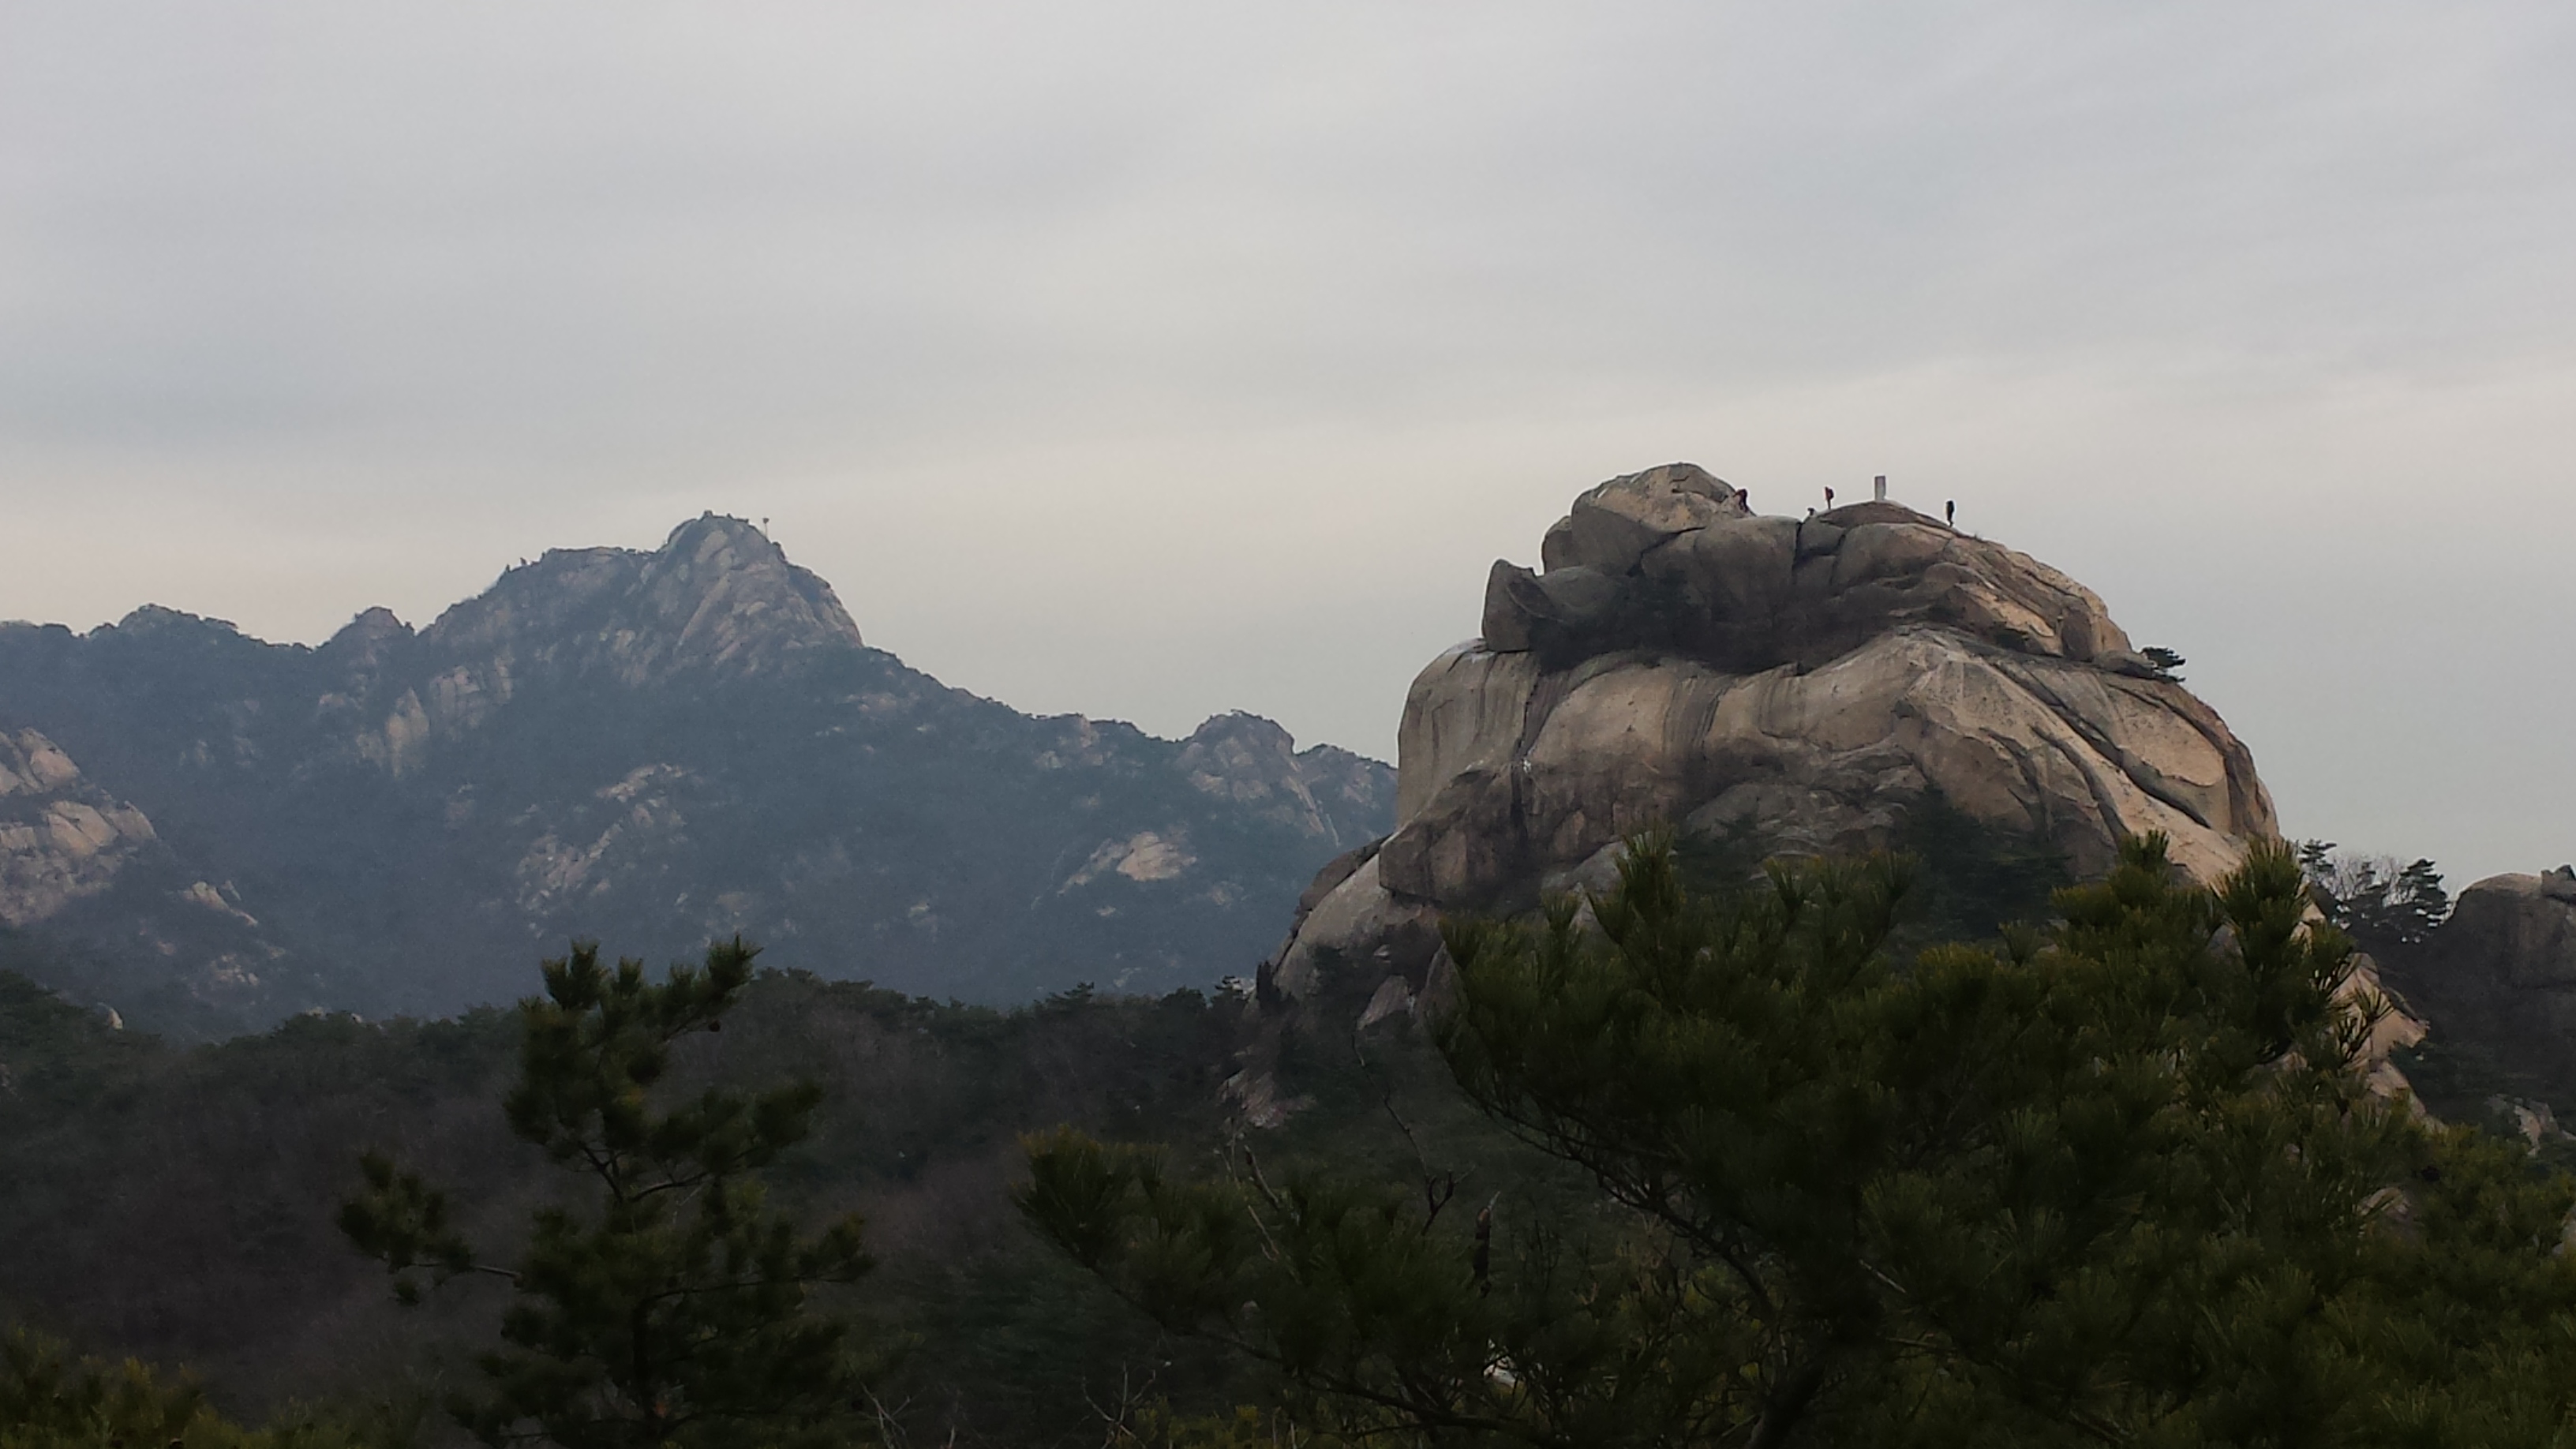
1152,359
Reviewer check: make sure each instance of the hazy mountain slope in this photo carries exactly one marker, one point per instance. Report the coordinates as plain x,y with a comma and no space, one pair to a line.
652,749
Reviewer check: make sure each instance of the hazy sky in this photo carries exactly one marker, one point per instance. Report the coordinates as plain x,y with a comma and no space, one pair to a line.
1150,360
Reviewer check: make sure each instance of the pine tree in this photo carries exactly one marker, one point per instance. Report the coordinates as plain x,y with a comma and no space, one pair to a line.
2167,662
674,1308
2383,903
2123,1181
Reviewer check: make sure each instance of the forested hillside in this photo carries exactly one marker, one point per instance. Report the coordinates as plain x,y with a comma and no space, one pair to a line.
1721,1153
178,1203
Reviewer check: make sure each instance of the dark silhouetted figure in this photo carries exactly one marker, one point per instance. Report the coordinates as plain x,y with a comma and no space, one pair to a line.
1829,499
1950,513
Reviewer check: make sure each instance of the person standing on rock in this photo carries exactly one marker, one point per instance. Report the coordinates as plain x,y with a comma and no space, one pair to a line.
1950,513
1829,498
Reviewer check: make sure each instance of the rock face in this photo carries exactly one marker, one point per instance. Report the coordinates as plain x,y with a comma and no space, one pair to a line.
2500,974
61,838
94,902
650,748
1683,661
1324,793
2526,924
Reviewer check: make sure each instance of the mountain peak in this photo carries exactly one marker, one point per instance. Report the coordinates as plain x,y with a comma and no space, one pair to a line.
712,531
729,591
364,641
1254,731
1254,762
717,594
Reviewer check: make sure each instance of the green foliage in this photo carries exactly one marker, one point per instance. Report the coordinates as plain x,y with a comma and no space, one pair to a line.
51,1400
2382,902
674,1310
2166,661
2121,1181
53,1053
184,1196
1970,878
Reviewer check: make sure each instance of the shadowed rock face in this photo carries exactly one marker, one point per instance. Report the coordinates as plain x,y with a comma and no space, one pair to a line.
2526,925
1682,661
61,837
2500,974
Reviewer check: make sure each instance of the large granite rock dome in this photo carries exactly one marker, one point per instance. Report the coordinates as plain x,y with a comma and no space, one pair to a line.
1681,660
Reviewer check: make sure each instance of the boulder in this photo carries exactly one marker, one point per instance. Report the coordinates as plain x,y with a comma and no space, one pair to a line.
1680,661
2523,928
1614,525
1551,614
2499,976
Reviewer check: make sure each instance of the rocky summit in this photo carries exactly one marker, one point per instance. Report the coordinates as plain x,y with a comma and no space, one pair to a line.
2498,979
650,748
1679,660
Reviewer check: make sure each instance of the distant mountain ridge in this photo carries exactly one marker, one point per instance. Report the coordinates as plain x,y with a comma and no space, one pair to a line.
650,748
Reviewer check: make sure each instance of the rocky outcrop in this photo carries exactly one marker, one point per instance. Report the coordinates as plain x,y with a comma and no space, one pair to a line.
2499,976
97,905
1682,661
1324,792
2526,926
61,837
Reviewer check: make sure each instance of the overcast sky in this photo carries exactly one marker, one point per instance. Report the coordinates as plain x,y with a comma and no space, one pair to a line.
1151,360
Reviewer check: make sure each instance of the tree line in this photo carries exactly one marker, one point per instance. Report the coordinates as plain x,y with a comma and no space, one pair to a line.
2121,1178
